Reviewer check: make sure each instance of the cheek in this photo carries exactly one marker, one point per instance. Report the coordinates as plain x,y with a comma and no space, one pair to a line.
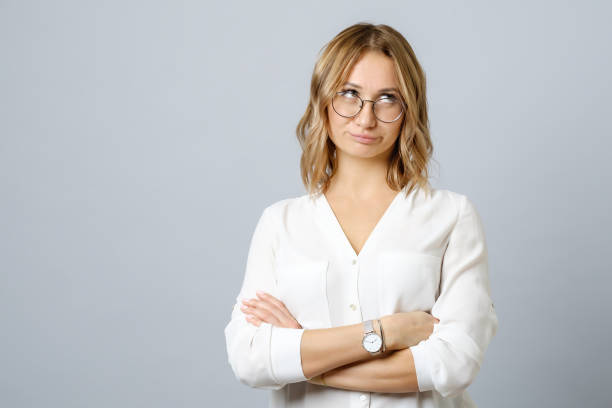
395,133
335,126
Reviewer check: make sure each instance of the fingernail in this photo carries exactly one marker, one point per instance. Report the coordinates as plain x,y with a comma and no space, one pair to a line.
260,293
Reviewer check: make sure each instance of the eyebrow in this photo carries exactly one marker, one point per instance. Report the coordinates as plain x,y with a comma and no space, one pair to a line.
380,91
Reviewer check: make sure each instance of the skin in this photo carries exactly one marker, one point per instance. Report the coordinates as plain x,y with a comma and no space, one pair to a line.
358,194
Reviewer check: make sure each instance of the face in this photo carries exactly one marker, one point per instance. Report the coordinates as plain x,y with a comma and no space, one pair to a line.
372,73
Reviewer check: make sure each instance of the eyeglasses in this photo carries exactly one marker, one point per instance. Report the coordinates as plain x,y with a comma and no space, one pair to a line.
386,109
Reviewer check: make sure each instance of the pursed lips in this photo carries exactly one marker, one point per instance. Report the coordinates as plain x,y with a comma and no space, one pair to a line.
363,138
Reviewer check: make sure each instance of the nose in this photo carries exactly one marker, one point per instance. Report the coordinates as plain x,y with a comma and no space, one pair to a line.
366,117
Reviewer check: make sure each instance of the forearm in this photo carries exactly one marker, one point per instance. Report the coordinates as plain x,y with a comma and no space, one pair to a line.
323,350
392,372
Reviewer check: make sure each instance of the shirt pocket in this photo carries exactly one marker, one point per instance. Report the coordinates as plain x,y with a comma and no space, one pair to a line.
302,287
407,281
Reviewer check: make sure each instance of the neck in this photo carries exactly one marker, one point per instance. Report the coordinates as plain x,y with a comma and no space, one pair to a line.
359,178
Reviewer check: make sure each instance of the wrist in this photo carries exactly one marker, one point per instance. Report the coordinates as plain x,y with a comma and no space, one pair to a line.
387,328
381,332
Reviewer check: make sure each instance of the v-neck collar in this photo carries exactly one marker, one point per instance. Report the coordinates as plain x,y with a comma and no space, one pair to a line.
332,221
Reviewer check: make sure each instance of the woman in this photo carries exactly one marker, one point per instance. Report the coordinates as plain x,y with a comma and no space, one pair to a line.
373,289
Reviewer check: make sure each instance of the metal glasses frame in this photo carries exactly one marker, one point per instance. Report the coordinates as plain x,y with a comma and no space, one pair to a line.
363,101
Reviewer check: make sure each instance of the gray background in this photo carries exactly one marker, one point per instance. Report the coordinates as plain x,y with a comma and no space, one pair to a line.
140,141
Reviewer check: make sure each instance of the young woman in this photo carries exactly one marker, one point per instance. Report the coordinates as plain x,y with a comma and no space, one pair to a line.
372,290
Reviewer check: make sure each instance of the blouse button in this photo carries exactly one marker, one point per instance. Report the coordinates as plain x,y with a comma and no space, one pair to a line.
363,397
353,306
354,261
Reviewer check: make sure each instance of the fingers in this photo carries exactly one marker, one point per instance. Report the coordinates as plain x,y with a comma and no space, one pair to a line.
280,308
254,320
272,308
260,312
266,308
271,299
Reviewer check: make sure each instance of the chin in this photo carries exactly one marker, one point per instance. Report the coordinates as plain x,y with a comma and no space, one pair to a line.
363,151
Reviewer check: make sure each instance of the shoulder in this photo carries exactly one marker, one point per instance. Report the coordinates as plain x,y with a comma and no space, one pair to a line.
450,201
287,207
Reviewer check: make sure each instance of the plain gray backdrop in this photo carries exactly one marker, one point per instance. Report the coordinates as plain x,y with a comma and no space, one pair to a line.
140,141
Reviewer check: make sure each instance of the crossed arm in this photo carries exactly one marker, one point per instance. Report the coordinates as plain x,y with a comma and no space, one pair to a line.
350,366
447,356
393,372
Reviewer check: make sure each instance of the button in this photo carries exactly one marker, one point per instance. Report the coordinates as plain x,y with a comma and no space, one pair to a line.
353,306
363,397
354,261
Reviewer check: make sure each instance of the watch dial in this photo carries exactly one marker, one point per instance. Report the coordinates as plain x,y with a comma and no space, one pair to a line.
372,342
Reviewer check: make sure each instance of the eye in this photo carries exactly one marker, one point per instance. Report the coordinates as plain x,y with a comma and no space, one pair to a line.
349,92
388,98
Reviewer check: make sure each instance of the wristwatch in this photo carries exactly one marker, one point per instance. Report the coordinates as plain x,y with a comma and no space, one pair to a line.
371,341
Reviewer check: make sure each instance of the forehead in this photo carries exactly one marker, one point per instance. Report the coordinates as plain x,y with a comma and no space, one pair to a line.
374,71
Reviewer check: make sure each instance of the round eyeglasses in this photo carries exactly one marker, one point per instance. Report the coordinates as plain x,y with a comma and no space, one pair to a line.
386,109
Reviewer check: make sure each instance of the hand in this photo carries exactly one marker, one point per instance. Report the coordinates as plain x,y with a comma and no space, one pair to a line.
406,329
266,308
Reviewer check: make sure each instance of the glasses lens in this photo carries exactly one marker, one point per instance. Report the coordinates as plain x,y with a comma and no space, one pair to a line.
388,109
346,104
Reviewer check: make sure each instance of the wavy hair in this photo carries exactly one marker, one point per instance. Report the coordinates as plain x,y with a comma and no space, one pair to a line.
408,163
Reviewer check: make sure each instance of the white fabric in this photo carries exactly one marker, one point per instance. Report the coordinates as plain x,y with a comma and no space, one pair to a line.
426,253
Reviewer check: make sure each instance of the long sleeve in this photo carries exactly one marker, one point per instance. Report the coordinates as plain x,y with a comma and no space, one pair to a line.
267,356
450,358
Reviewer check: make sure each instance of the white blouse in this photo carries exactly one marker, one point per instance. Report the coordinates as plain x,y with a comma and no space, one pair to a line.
426,253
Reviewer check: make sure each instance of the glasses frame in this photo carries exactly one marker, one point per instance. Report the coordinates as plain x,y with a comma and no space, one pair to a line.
362,103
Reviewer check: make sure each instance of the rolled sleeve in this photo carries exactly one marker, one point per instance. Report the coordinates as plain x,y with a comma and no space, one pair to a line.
420,357
450,358
285,354
263,356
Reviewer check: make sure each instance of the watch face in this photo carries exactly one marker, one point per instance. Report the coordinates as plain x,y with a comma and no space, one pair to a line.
372,342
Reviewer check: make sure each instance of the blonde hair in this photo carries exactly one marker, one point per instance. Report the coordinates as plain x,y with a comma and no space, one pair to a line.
413,148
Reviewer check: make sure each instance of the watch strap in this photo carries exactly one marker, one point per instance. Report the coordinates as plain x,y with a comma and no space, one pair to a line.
382,336
367,326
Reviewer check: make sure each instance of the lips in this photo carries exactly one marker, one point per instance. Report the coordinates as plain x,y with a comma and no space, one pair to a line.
363,138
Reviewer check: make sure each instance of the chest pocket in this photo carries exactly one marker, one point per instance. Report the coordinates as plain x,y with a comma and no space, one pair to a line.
407,281
302,287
